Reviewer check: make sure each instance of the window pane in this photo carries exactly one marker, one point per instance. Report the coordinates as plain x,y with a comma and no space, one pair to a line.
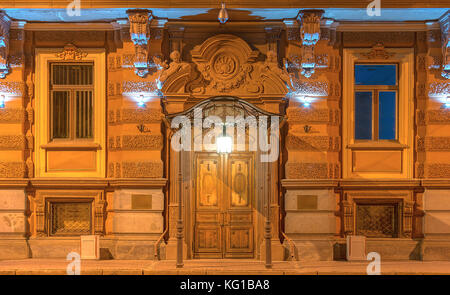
60,114
363,115
387,114
84,114
376,74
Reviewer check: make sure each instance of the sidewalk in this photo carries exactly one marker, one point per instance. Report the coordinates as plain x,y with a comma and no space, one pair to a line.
215,267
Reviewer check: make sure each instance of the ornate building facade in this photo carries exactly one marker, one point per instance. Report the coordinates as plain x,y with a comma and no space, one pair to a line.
88,110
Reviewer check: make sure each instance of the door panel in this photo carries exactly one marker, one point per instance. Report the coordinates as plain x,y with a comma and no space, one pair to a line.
224,206
238,208
208,240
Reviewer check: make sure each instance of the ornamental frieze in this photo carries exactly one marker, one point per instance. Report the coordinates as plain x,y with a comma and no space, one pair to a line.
311,170
437,170
433,117
142,169
12,115
136,143
309,116
439,89
12,169
144,116
312,143
12,88
12,142
389,39
130,87
433,144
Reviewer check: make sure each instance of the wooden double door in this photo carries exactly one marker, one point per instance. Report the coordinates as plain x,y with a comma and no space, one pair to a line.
224,201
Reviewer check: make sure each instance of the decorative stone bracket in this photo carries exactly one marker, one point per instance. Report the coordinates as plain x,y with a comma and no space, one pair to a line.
5,24
445,30
310,35
140,35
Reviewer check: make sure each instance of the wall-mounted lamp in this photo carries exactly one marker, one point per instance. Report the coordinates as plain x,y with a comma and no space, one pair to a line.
2,101
446,104
305,100
223,14
141,101
224,142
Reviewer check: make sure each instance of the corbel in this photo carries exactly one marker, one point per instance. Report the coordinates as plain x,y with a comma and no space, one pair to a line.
5,24
310,35
140,35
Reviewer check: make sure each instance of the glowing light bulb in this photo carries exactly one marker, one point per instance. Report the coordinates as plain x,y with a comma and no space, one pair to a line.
141,102
447,102
224,143
223,14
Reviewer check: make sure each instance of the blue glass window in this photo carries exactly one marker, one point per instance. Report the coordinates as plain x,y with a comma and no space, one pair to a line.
376,74
387,112
363,115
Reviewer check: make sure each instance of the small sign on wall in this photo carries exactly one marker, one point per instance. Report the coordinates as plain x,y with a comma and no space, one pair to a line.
141,202
306,202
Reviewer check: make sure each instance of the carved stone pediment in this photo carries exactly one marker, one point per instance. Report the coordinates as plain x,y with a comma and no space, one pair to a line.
224,64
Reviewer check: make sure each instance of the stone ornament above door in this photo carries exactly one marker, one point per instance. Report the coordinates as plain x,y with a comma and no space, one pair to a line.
224,64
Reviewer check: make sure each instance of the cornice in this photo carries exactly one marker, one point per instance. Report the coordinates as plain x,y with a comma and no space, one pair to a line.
238,4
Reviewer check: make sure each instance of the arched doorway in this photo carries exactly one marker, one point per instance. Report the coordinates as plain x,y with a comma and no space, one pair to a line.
224,195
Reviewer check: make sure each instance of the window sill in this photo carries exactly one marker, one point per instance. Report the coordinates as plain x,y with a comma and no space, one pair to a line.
70,146
377,146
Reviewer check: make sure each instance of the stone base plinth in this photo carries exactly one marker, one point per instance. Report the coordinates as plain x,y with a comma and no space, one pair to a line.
277,251
313,250
13,248
171,250
434,250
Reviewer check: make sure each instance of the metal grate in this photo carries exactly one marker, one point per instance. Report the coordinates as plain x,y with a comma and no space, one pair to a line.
72,74
377,220
60,114
84,114
70,218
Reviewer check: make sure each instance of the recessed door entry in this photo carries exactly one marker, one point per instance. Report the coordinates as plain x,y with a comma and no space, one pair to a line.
224,198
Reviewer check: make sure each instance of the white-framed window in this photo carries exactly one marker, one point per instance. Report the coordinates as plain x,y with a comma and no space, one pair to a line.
378,112
376,100
70,109
71,93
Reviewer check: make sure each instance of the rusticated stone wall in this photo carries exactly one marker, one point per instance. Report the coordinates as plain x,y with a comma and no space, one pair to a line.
313,140
133,152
